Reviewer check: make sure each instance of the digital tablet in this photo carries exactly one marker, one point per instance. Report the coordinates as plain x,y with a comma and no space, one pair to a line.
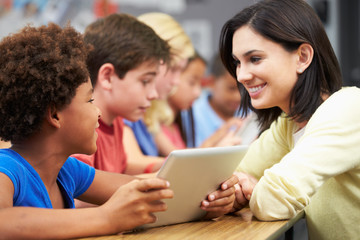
193,174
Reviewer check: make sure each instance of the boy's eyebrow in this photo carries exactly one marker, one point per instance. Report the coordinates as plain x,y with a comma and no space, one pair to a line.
150,73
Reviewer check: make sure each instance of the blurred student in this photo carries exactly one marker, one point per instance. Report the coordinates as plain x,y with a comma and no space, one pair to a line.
139,144
309,158
123,66
218,103
172,136
47,113
187,91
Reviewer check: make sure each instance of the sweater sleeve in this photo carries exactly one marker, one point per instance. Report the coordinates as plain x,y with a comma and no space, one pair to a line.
329,147
271,146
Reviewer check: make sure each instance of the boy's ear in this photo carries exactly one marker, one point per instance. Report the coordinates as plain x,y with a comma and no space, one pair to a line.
305,56
105,74
52,117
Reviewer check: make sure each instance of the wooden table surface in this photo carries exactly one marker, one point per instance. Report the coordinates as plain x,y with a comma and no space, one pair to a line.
242,226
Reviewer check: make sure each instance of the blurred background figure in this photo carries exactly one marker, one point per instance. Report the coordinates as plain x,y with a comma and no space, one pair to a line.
218,103
182,98
176,132
139,143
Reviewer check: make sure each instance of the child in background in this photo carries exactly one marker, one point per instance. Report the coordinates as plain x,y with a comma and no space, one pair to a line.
139,144
47,113
123,65
309,159
188,90
218,103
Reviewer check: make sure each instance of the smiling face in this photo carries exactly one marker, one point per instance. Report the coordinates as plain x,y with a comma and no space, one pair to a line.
265,68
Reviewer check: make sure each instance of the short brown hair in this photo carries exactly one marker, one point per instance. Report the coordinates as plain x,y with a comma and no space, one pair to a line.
125,42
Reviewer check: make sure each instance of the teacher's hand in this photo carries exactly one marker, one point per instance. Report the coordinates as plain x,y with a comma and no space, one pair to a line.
244,189
221,201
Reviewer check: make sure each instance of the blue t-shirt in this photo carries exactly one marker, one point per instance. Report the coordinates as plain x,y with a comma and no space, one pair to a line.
206,120
74,179
143,137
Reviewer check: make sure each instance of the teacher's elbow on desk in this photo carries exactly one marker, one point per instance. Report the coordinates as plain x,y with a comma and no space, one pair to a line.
266,207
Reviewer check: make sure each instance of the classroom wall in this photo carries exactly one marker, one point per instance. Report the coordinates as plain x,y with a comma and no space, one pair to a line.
201,19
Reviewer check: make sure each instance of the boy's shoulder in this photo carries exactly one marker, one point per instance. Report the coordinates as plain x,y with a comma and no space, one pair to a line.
10,159
14,167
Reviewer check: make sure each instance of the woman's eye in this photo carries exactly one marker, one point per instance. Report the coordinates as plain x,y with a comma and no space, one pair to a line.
91,100
255,59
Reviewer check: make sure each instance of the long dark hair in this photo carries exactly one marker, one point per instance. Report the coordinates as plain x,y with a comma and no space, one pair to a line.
289,23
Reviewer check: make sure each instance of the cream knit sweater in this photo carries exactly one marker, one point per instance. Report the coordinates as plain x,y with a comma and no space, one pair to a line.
321,173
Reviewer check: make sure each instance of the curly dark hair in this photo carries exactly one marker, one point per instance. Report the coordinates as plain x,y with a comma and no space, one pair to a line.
40,67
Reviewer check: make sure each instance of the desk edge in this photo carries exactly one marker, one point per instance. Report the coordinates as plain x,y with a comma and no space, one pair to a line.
287,226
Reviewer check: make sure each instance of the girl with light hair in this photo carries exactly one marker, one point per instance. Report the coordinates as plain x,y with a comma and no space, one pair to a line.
138,136
181,49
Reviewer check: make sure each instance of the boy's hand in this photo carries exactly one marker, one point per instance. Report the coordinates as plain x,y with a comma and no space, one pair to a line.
133,204
244,189
221,201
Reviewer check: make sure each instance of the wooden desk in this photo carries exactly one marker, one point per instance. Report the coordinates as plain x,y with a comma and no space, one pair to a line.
243,226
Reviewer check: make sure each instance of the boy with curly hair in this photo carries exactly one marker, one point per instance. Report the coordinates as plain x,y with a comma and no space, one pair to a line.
47,113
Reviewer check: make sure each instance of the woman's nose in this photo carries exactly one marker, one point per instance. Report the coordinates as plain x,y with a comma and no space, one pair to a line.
243,74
